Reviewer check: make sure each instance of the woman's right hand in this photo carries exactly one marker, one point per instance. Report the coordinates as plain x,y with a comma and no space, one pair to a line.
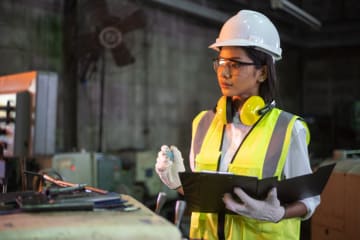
169,163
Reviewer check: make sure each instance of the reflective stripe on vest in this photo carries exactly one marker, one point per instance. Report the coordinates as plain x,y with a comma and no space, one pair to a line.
205,121
274,151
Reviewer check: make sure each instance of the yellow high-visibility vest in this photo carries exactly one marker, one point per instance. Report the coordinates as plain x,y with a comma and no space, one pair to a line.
261,154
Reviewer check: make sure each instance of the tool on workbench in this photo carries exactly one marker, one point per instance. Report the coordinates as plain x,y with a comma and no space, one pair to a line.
62,183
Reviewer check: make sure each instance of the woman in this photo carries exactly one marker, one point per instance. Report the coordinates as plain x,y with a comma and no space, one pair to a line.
269,143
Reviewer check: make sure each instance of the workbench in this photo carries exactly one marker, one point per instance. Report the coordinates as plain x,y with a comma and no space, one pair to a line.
102,224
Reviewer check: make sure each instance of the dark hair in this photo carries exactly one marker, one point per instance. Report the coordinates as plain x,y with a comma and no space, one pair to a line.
268,88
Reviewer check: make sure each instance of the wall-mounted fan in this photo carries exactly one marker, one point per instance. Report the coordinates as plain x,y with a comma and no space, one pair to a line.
108,33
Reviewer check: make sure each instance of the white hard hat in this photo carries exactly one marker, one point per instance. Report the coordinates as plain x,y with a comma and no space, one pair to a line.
250,28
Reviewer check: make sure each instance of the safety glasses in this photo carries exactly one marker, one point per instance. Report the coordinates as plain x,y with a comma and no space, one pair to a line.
232,64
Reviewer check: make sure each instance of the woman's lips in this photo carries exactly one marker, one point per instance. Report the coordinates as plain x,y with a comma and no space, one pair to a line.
225,85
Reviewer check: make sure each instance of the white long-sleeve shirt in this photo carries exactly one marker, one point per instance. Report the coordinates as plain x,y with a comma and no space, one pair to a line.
297,161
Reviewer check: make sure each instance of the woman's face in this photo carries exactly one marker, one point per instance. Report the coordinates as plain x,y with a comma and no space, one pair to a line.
237,79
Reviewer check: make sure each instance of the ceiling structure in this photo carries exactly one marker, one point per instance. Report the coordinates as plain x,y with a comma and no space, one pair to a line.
334,23
339,19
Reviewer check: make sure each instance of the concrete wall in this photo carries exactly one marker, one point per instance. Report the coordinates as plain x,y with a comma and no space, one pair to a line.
30,38
153,101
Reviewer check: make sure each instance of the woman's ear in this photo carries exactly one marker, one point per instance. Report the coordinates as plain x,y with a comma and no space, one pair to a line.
263,73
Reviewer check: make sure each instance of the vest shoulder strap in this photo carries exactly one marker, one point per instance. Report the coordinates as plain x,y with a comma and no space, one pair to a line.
276,144
279,143
204,120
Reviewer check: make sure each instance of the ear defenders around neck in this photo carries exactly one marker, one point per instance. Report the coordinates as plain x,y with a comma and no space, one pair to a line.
251,111
224,109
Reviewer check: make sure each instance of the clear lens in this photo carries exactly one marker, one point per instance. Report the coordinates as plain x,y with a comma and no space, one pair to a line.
233,65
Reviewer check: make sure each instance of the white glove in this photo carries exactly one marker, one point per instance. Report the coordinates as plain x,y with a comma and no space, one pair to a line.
267,210
169,163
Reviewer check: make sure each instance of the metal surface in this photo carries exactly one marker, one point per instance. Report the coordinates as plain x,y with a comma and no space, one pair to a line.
160,201
45,116
179,212
139,223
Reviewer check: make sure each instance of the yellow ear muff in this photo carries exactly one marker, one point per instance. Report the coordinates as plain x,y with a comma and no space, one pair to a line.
221,109
225,110
249,113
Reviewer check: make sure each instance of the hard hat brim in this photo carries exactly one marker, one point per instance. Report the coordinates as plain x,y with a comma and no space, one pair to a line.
245,43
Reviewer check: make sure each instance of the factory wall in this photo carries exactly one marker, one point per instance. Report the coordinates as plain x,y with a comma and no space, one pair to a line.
331,90
153,101
30,38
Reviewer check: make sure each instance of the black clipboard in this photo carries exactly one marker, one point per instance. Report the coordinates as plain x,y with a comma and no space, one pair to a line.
203,191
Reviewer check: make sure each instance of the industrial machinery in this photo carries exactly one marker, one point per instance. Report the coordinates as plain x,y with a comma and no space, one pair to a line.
28,103
95,169
28,113
131,174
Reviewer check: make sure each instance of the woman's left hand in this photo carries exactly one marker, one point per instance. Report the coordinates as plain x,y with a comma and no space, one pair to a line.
267,210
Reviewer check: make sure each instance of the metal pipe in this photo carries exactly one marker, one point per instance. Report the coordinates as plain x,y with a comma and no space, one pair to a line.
64,183
195,9
296,12
68,184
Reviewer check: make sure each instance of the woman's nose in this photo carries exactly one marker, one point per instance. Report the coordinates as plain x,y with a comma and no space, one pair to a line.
226,71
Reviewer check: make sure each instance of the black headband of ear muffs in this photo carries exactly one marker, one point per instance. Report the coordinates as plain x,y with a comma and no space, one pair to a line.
267,108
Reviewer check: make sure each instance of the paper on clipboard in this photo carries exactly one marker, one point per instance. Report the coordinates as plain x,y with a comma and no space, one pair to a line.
203,191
